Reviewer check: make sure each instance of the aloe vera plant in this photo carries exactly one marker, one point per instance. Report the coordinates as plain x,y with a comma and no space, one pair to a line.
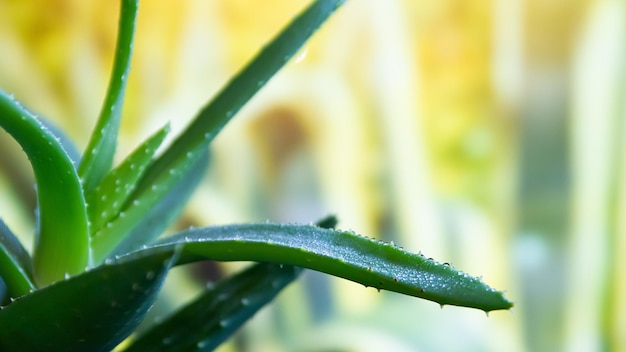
98,264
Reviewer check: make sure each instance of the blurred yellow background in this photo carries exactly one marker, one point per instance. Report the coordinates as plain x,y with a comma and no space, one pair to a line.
487,134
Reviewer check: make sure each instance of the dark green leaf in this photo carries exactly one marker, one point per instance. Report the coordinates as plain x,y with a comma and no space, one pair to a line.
107,200
16,268
98,157
166,211
209,320
213,317
93,311
110,236
343,254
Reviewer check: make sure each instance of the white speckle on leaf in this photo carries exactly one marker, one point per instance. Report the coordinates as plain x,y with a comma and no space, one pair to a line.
222,297
202,344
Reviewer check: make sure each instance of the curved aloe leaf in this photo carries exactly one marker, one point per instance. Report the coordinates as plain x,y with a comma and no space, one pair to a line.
94,311
66,142
213,317
343,254
15,264
106,200
166,211
209,320
213,117
98,156
63,225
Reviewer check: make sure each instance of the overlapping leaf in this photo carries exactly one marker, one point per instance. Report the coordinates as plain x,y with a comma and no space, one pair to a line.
209,320
175,162
16,268
214,116
166,211
134,211
108,199
94,311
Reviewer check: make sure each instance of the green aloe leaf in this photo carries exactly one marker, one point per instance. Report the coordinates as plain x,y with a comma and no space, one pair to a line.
66,142
214,116
212,318
98,157
110,236
107,200
16,268
343,254
93,311
166,211
63,225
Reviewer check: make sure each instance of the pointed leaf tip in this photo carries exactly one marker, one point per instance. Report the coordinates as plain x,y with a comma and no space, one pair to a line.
343,254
